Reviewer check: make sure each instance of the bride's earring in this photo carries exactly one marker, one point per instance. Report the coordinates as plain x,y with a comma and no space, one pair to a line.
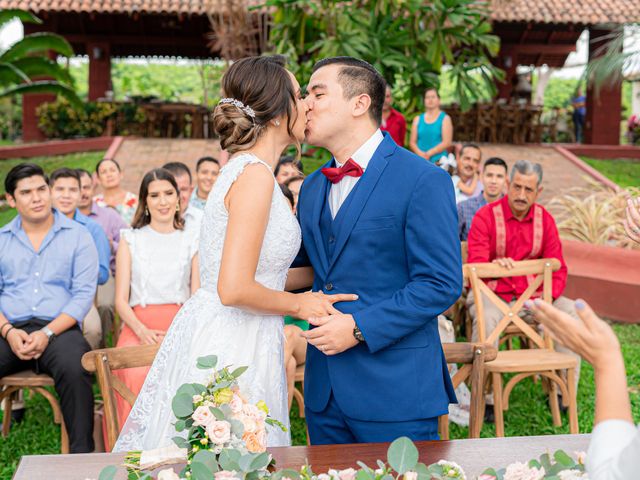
276,123
146,212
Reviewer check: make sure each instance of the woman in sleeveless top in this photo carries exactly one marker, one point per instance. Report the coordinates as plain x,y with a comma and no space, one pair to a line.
113,195
248,240
431,131
156,272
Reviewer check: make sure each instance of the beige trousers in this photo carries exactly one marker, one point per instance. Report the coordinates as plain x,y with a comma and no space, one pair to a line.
107,305
492,316
92,328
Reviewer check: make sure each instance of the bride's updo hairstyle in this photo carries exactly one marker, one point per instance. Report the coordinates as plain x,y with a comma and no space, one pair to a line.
262,90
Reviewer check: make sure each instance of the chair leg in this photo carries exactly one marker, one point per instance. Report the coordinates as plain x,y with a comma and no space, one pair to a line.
443,427
573,401
6,419
497,403
553,403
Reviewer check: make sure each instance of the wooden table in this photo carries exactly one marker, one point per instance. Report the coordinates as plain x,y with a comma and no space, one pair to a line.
473,455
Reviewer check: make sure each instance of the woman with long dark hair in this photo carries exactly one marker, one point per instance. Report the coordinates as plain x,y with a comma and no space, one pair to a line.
156,271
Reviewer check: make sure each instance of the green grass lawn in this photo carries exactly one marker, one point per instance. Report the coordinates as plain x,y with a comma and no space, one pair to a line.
624,172
528,413
86,160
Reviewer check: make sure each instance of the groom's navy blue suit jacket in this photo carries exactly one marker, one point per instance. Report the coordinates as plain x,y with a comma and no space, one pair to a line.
394,243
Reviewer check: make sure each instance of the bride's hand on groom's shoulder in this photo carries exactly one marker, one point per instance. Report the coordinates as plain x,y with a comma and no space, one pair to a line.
318,304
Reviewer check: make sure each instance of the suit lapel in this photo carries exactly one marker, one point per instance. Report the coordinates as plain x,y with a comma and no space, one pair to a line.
361,194
320,197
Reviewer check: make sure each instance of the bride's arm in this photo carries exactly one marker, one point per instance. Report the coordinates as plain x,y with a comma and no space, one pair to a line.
299,278
248,204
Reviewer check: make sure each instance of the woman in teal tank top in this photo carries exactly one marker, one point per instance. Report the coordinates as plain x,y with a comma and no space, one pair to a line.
432,131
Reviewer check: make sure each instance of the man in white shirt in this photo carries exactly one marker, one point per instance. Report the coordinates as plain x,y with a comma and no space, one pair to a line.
192,216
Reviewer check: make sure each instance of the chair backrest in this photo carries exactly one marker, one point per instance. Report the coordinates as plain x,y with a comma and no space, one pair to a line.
539,272
103,362
464,251
473,356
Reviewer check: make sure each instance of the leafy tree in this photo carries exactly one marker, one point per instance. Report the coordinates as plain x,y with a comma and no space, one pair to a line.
408,41
27,59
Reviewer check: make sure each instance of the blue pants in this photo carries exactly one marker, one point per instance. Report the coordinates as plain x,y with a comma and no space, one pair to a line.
331,426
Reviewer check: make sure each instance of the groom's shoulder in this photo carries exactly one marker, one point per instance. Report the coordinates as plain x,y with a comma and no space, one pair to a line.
408,163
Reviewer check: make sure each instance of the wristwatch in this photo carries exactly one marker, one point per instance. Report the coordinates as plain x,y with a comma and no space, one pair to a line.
358,334
48,332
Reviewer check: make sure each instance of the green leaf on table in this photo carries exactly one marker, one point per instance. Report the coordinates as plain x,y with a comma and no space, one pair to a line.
199,471
206,458
562,458
365,475
108,473
182,405
261,461
239,371
545,461
422,471
180,442
207,363
381,464
402,455
287,472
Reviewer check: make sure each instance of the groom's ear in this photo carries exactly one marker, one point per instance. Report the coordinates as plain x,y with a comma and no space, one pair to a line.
360,105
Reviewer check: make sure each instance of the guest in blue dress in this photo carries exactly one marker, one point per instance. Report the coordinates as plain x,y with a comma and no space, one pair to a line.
431,131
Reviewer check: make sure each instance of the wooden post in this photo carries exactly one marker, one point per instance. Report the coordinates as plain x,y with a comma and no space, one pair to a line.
99,69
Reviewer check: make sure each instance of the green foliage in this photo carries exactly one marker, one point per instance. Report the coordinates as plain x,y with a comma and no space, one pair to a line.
402,455
27,59
624,172
408,41
60,120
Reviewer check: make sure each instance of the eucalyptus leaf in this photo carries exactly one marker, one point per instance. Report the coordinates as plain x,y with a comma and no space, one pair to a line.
180,425
180,442
206,458
199,471
402,455
239,371
182,405
261,461
561,457
219,414
207,363
108,473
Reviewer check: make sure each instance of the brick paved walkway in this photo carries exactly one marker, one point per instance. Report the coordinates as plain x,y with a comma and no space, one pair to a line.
138,156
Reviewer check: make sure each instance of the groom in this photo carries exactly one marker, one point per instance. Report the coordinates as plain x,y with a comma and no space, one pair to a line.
380,222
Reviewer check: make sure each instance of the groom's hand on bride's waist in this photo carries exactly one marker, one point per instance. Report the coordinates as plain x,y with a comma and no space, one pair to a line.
333,333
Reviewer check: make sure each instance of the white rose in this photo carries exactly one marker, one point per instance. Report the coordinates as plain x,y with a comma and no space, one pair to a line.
522,471
219,432
411,476
236,404
168,474
202,416
250,425
571,475
197,398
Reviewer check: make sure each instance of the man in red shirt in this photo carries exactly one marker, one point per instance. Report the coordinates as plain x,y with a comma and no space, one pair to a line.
392,120
516,228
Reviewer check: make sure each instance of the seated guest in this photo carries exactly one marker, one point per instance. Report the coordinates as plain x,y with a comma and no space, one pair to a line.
286,168
156,272
207,170
494,179
614,449
294,184
48,276
65,195
392,120
466,182
111,223
192,216
512,229
113,195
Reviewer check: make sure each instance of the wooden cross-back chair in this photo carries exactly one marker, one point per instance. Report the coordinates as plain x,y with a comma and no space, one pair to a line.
103,362
540,360
473,357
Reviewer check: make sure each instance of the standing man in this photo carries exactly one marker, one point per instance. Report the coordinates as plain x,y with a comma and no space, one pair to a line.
380,222
494,179
392,120
48,276
192,216
579,104
207,170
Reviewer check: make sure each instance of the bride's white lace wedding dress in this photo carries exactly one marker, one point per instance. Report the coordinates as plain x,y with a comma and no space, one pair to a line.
204,326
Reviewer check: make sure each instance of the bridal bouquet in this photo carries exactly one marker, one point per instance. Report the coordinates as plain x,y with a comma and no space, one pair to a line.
220,430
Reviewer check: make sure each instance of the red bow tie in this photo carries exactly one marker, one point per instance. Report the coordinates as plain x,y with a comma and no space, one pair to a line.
336,174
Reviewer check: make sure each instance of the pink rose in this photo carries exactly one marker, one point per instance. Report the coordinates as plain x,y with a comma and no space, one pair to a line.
254,412
202,416
236,404
219,432
224,475
249,424
411,475
350,474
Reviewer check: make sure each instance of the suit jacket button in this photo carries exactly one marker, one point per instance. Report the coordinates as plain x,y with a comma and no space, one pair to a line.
328,286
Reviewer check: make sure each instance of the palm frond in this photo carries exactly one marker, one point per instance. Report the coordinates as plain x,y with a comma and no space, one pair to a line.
11,14
44,86
37,43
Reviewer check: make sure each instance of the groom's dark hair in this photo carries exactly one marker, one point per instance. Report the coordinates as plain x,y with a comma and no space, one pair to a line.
357,77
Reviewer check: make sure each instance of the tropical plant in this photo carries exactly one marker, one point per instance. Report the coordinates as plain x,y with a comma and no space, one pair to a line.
593,214
26,60
619,54
409,41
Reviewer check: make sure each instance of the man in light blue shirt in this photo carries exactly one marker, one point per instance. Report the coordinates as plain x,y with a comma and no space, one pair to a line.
48,278
65,197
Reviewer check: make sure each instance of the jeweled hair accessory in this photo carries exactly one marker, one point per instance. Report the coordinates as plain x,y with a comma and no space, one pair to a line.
237,103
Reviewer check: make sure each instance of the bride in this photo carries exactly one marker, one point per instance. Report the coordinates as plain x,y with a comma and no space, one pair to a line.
248,240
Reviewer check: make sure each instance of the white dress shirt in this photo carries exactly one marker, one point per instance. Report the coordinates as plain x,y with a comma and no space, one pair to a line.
614,451
341,190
